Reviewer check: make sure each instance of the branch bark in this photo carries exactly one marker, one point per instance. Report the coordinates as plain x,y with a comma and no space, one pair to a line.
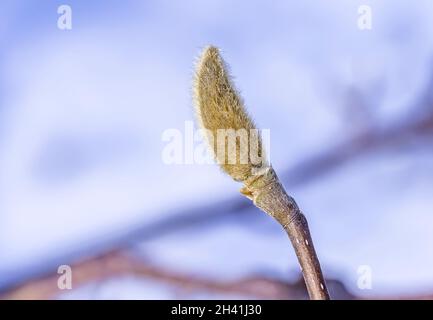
268,194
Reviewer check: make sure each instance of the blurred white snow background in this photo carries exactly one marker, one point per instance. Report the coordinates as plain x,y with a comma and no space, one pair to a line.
82,114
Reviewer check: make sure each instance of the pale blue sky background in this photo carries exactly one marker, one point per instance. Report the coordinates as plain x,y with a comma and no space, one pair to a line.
82,113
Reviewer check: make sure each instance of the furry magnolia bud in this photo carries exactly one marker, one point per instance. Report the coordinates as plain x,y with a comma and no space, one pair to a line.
230,131
237,146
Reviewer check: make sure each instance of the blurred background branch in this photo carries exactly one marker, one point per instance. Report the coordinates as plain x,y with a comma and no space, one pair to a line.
117,264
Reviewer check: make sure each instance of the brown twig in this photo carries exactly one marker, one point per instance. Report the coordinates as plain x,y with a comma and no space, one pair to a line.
269,195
